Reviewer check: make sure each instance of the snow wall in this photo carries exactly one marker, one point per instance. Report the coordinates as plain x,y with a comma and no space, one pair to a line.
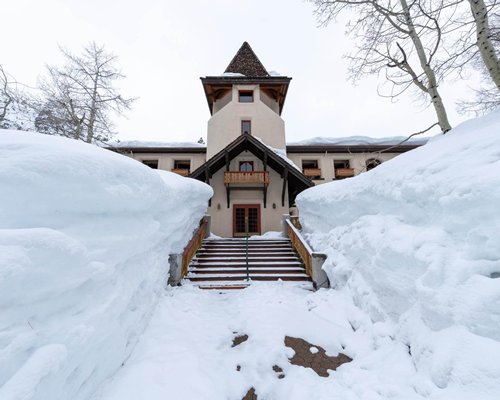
416,242
85,236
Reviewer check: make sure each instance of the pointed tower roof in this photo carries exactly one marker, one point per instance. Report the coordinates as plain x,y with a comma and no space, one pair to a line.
245,62
245,69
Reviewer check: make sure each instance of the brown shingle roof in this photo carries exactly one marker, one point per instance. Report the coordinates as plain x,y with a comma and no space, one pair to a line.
247,63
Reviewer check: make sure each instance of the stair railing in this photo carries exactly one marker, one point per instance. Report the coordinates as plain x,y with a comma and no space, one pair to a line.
194,244
312,260
246,248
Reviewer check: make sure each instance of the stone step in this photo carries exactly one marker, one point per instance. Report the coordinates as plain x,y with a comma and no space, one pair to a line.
258,271
243,259
238,277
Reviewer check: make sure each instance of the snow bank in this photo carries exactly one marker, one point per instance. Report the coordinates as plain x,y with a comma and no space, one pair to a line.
359,140
84,241
152,143
415,241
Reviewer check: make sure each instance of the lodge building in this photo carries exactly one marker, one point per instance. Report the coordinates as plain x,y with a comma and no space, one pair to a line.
254,173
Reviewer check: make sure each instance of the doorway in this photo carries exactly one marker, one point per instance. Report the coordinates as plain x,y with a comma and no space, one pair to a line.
243,213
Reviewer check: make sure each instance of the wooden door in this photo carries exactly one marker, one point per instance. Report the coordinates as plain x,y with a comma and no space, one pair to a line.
243,213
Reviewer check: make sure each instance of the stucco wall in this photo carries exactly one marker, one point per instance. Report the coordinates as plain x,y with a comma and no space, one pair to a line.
166,160
326,160
225,125
222,217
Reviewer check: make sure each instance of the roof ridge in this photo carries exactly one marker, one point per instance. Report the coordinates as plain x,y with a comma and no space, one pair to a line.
247,63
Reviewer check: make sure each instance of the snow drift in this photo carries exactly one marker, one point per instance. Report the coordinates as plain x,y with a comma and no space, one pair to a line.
415,243
84,241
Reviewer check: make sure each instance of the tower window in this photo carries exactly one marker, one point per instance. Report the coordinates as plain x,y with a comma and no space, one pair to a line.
245,96
246,127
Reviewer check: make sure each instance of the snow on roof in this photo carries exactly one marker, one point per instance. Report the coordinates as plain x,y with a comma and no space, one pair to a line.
279,152
357,140
232,74
147,143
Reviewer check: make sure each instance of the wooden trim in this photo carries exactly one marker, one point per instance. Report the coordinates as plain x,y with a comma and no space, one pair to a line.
193,246
246,207
181,171
231,177
344,172
301,247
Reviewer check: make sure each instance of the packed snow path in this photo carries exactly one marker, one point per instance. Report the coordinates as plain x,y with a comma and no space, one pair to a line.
189,352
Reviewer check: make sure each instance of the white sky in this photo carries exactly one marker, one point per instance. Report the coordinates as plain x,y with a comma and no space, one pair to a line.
164,47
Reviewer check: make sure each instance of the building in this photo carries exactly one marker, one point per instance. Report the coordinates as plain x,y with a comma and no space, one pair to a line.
254,173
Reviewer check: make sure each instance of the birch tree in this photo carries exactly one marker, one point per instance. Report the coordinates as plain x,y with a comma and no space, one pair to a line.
398,39
484,35
82,95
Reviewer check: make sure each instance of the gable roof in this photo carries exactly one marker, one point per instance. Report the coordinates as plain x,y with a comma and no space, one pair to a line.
297,181
245,62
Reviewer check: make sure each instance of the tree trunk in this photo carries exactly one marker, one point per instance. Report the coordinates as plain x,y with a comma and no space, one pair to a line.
433,92
93,112
483,34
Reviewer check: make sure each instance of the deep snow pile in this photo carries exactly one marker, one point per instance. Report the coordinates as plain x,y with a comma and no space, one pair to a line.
84,241
416,243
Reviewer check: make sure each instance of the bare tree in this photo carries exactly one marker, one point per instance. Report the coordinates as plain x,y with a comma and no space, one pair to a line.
81,97
16,106
399,39
484,35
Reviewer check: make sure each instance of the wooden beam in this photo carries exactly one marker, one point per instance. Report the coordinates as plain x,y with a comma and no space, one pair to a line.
226,155
265,196
265,161
228,196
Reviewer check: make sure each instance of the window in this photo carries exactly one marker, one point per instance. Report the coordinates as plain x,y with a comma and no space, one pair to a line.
151,163
342,169
246,127
182,164
245,96
310,169
246,166
372,163
182,167
341,164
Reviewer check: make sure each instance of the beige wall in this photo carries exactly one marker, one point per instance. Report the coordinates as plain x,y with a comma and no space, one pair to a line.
222,217
325,162
166,160
225,124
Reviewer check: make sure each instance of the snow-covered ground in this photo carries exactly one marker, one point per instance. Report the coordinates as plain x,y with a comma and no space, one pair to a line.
84,241
186,352
415,244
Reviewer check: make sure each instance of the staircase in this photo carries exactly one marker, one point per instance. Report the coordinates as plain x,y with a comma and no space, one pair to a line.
221,264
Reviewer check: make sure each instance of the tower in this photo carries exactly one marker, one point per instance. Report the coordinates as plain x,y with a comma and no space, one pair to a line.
245,99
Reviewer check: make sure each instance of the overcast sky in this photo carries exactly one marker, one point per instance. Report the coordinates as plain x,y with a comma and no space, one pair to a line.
165,46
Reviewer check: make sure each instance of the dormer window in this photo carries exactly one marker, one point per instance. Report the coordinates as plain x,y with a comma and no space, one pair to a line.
245,96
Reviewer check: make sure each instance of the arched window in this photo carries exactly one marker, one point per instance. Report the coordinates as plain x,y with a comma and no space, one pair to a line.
246,166
372,163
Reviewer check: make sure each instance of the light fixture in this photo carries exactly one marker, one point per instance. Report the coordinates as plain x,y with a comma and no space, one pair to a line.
218,206
274,206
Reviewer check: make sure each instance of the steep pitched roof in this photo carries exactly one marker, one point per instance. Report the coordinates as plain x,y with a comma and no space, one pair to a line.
245,62
297,181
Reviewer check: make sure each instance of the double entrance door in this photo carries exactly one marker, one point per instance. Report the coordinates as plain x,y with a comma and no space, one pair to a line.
246,218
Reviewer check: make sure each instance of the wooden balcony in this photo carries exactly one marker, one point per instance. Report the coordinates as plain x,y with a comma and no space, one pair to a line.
344,172
261,177
312,172
181,171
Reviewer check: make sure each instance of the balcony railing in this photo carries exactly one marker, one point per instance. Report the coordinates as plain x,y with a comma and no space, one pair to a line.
344,172
312,172
181,171
246,177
